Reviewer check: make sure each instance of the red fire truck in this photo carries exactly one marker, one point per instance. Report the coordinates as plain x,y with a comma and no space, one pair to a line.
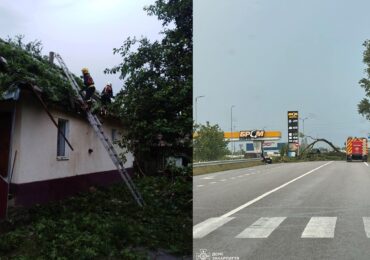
356,149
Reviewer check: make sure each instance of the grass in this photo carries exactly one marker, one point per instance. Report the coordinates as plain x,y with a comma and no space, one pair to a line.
310,157
105,223
224,167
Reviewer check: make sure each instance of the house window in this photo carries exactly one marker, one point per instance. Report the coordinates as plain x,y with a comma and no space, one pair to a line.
63,128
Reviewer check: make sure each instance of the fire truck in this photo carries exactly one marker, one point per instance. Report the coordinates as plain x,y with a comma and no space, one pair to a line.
356,149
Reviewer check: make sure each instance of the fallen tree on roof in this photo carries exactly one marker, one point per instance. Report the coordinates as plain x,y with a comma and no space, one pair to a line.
24,63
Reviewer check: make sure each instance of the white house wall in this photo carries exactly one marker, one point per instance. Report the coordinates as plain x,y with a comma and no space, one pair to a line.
37,146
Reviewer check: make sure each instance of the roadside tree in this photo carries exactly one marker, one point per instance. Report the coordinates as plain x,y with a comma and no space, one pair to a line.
209,145
364,105
156,99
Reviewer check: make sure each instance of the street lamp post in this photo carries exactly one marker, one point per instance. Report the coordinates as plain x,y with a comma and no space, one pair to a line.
196,105
231,125
303,119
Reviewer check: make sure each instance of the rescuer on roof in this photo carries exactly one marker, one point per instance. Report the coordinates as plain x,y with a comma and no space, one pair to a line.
89,85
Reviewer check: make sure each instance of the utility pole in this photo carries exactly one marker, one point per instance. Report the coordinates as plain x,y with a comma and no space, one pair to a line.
231,127
196,105
303,119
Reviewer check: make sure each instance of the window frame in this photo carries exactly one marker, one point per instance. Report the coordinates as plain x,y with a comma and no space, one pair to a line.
62,152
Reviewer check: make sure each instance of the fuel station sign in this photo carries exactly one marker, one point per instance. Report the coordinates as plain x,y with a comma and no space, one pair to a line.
293,131
253,134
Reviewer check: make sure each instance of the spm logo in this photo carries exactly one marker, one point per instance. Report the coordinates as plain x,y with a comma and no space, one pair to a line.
251,134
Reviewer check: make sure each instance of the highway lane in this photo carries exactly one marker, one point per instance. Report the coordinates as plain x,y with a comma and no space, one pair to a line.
312,210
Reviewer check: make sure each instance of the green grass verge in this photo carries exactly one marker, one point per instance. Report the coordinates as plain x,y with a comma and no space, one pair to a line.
224,167
105,223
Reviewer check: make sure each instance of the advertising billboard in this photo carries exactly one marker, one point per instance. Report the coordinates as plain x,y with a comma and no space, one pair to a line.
293,131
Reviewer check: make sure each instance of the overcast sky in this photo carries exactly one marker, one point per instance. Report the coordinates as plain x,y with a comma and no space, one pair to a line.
84,32
268,57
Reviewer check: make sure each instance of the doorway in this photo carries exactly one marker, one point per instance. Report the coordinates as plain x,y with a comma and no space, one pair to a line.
5,137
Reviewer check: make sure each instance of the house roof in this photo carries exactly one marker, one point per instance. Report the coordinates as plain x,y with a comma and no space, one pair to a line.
25,66
23,69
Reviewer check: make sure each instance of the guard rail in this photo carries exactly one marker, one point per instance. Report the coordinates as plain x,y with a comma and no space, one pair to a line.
202,164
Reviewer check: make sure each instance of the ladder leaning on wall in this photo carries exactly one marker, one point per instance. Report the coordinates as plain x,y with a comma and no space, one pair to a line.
97,126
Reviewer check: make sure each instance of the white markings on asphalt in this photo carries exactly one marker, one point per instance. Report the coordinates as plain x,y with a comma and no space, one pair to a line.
200,185
320,227
204,228
223,180
233,178
366,164
228,214
262,228
213,182
208,178
367,226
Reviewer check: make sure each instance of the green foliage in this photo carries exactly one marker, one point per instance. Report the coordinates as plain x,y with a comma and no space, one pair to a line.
156,101
283,150
364,105
209,145
25,64
106,223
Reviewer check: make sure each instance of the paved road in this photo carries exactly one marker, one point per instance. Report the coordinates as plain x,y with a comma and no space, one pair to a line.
311,210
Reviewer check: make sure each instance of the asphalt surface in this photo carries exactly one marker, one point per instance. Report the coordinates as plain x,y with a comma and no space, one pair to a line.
310,210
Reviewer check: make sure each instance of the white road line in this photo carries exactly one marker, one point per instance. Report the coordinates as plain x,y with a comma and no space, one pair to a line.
262,228
213,182
366,164
367,226
240,176
232,178
228,214
223,180
246,174
320,227
208,178
200,186
206,227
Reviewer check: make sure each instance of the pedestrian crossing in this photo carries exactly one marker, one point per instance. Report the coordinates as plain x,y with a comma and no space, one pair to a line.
316,227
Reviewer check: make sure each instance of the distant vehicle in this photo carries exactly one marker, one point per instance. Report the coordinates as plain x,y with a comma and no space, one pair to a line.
265,159
356,149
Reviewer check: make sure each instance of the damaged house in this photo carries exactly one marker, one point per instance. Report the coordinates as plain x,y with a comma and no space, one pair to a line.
41,161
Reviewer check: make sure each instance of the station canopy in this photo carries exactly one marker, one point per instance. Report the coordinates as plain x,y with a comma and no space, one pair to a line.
253,135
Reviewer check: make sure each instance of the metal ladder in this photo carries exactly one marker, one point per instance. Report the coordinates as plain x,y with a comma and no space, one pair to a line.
97,126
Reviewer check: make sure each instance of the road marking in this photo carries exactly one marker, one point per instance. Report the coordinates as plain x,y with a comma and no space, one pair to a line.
213,182
366,164
204,228
240,176
320,227
367,226
228,214
200,186
208,178
246,174
223,180
262,228
233,178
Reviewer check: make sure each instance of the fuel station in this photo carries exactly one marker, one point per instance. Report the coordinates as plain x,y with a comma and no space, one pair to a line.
258,137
